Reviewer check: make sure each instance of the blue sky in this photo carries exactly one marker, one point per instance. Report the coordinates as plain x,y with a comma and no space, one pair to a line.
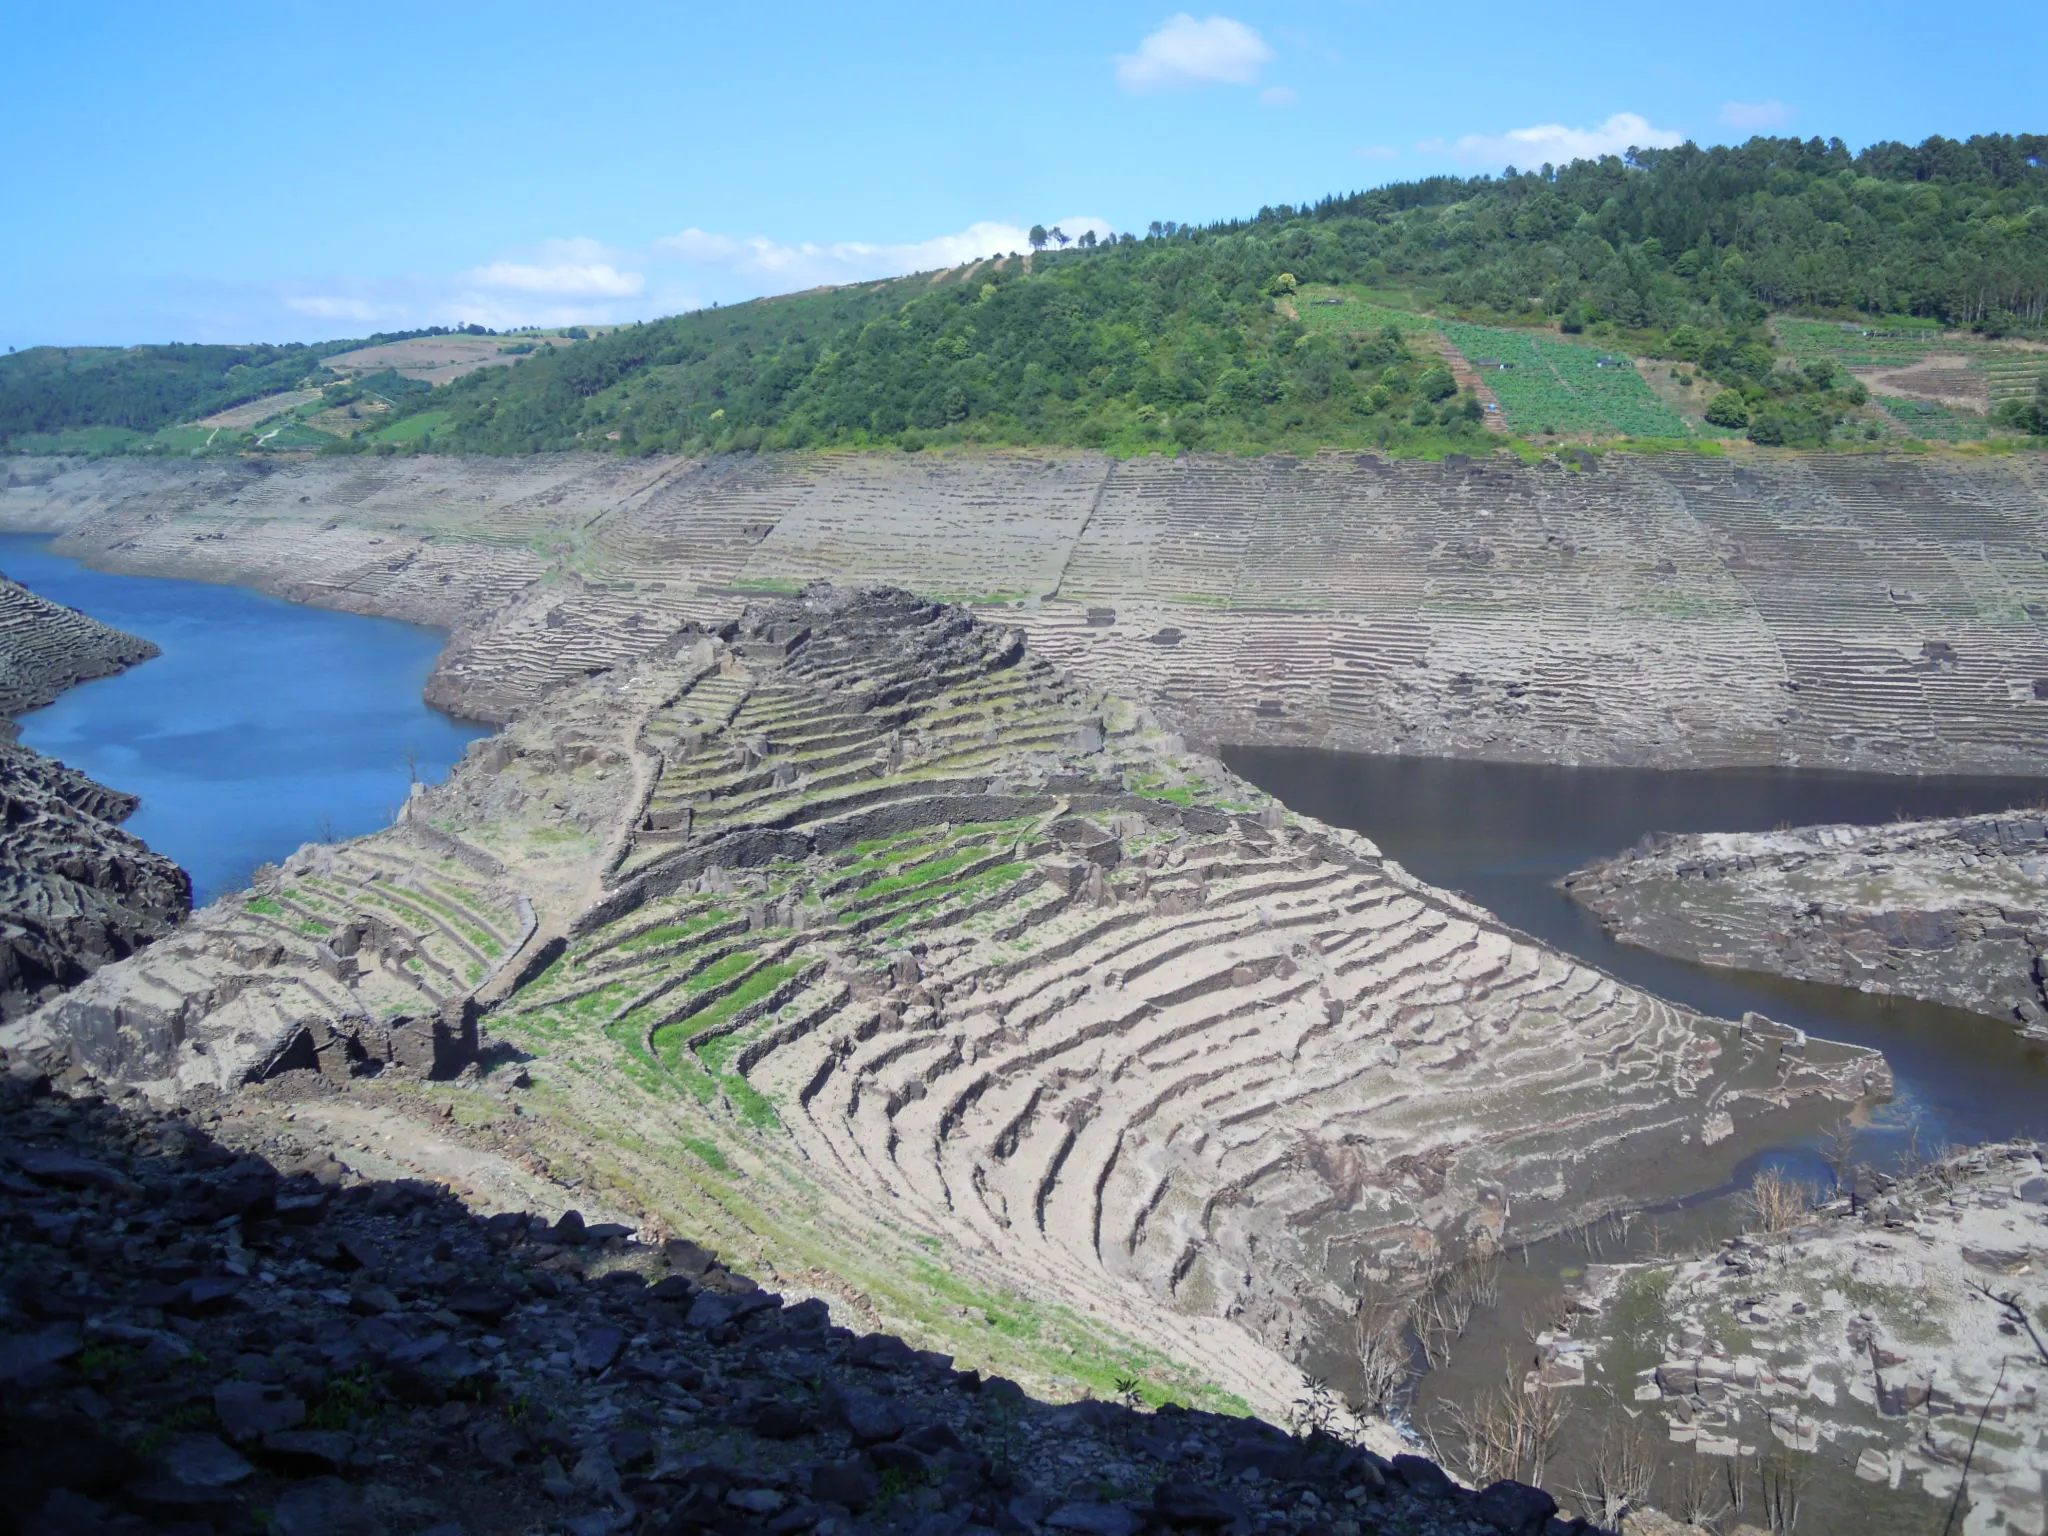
293,171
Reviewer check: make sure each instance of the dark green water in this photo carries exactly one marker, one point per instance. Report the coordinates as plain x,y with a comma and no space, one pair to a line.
262,726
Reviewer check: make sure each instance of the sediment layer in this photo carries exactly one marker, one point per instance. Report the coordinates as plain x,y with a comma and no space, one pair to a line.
1855,611
928,942
1950,911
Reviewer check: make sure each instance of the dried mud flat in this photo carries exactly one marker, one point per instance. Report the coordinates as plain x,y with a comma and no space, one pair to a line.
1948,911
861,934
1848,611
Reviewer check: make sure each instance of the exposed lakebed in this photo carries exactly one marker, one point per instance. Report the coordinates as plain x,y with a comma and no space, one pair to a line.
262,726
1503,834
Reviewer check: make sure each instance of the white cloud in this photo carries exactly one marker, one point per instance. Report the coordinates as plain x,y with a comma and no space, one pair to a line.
813,263
1377,152
1279,96
595,279
1755,116
1527,147
1187,52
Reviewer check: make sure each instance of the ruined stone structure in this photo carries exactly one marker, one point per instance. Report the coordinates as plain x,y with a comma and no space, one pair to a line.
1855,611
930,937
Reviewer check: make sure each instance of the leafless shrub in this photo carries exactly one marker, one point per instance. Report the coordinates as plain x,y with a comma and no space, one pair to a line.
1779,1482
1384,1365
1619,1476
1443,1309
1510,1430
1698,1494
1777,1204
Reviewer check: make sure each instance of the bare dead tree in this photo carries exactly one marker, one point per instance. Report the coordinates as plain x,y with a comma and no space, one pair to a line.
1780,1481
1618,1479
2015,1312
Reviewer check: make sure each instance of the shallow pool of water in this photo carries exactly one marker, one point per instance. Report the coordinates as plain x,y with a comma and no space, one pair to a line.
262,726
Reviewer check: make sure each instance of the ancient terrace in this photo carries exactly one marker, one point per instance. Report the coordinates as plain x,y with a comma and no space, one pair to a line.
1859,611
862,897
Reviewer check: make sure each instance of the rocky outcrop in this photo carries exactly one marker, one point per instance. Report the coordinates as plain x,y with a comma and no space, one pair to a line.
1858,611
890,913
46,648
1948,911
75,890
209,1327
1896,1334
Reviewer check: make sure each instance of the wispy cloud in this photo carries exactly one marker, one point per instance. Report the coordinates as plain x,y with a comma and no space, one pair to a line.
1377,152
1187,52
1279,96
811,263
1555,142
587,280
1755,116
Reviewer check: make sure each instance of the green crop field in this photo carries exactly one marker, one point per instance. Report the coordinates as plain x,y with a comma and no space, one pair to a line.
1553,385
410,430
1936,423
1335,311
1898,342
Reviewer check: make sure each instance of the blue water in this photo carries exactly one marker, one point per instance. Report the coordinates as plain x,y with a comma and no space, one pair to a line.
262,726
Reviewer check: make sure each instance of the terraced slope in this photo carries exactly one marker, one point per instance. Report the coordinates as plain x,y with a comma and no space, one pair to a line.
46,648
1861,612
862,923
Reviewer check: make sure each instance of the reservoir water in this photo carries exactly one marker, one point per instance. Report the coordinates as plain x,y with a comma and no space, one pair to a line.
263,725
1503,834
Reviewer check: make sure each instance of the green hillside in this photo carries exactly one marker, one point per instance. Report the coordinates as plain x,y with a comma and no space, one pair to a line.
1323,325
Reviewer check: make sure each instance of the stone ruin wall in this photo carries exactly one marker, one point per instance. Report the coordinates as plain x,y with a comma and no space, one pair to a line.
1870,612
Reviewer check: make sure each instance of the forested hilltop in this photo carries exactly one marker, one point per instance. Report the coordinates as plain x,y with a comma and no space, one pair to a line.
1658,295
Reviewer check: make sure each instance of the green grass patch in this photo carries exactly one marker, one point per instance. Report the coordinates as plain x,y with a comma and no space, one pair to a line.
412,429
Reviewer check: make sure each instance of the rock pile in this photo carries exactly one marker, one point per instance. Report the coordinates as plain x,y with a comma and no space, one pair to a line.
1950,911
1897,1332
75,890
194,1340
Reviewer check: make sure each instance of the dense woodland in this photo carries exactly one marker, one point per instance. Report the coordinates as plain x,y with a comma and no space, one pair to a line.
1190,336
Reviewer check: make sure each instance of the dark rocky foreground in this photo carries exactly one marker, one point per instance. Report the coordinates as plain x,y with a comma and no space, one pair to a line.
192,1340
75,890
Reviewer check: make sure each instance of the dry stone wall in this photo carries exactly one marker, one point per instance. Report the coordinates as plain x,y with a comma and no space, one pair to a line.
1855,611
928,935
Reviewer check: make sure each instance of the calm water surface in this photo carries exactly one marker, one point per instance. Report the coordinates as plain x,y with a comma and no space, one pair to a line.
262,726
